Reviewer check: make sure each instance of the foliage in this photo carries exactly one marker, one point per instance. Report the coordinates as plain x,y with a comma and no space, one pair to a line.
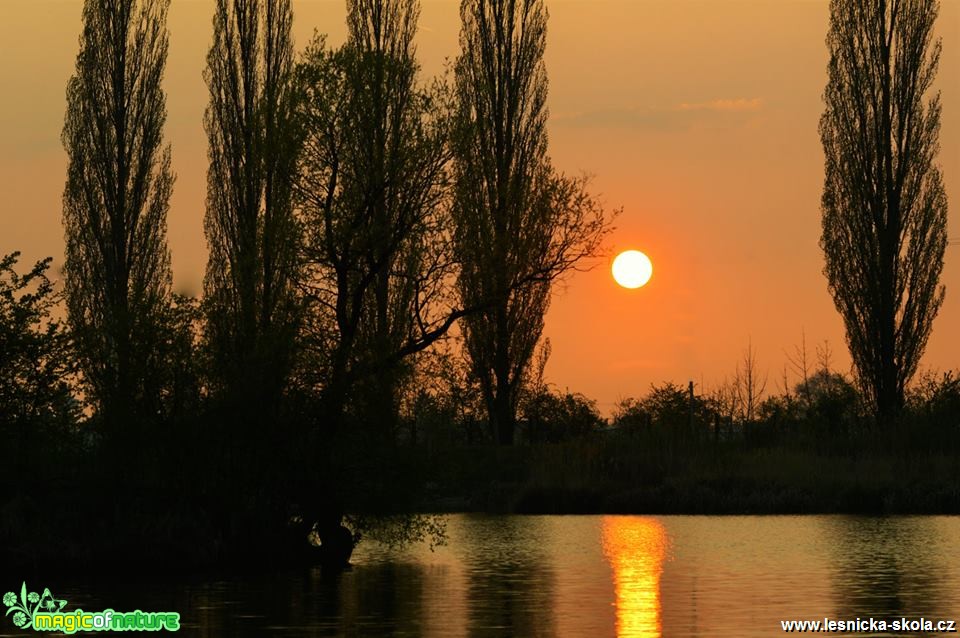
372,194
441,405
884,204
399,530
37,363
183,373
551,417
936,393
830,397
933,410
667,407
253,236
518,224
115,203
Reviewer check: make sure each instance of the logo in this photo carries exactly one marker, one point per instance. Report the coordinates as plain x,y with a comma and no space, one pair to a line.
44,612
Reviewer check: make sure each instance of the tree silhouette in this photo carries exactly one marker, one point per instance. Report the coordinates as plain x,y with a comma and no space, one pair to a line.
748,386
251,230
36,366
884,206
372,187
518,225
117,270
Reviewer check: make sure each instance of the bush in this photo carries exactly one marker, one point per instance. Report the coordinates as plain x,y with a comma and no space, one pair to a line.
666,411
553,417
38,410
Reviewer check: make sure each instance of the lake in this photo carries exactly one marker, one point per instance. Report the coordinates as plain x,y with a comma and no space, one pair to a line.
589,576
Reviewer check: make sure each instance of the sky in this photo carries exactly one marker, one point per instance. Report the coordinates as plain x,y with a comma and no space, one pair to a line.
697,118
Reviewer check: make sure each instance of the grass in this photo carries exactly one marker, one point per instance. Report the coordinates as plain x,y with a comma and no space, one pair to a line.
622,475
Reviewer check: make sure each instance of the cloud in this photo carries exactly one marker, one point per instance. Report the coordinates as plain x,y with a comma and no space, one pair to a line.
739,104
665,118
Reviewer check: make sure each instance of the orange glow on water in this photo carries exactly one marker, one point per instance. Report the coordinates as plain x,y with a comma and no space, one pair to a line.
636,547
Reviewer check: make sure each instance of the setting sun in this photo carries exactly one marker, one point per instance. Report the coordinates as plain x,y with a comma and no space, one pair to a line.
632,269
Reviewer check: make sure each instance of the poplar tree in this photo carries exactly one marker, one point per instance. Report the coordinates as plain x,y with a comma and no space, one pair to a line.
518,224
253,236
884,206
117,271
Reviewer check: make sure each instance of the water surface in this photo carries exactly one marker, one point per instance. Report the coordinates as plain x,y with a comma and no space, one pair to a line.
588,576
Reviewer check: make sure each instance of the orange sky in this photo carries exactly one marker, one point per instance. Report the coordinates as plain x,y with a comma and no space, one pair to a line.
699,118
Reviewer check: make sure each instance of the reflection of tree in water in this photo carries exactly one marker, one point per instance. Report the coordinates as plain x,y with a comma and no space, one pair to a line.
510,581
384,599
885,567
379,599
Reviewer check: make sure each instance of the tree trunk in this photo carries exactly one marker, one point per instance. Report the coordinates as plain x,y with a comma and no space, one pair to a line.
503,417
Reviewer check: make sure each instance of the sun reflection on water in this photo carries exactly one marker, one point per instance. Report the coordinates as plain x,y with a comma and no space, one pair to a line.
636,547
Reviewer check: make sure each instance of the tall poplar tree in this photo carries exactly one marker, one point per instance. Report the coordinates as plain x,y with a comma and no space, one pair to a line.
251,230
119,181
884,205
518,224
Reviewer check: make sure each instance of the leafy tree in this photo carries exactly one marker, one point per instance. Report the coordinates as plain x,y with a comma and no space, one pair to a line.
117,270
518,225
250,226
823,405
938,394
884,206
555,416
183,381
667,408
372,189
833,400
36,363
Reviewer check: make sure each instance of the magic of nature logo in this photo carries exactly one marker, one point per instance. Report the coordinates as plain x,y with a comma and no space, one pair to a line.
44,612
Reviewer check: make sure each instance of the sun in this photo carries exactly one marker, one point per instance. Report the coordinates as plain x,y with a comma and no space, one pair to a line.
632,269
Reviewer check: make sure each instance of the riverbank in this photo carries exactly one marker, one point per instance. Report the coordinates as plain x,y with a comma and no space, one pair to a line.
613,477
70,525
